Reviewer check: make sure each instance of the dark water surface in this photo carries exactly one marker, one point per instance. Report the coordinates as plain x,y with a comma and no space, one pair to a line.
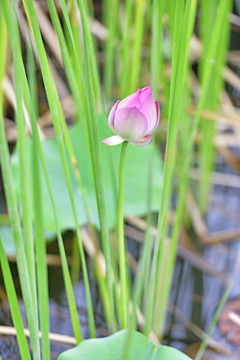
195,293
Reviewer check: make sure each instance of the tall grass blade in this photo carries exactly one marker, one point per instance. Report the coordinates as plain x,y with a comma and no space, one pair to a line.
156,44
207,149
168,252
3,51
40,243
24,170
17,234
110,48
212,52
76,93
126,53
218,311
96,160
13,303
31,110
58,121
137,44
178,61
94,64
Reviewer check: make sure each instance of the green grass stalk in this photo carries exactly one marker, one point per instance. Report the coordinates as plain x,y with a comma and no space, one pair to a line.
222,14
126,52
77,91
110,49
170,10
168,253
77,95
156,44
40,243
145,260
218,311
207,149
142,275
103,289
13,304
76,262
92,54
183,180
121,240
137,44
31,110
74,46
3,51
180,46
96,159
24,171
58,120
17,235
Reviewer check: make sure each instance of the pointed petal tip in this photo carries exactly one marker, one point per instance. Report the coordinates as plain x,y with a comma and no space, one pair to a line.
148,88
113,140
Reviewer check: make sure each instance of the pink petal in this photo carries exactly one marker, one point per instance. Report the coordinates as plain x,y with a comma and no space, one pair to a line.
148,108
142,141
158,115
112,115
130,101
144,93
113,140
130,124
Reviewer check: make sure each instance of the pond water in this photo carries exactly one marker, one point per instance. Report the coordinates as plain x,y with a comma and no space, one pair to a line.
195,294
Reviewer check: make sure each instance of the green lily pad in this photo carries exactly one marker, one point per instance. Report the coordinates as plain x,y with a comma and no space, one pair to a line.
7,239
169,353
136,180
111,348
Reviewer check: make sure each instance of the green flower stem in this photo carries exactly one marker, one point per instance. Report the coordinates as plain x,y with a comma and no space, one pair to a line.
121,240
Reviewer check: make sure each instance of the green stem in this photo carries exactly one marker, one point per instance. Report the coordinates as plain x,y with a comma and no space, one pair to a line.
121,240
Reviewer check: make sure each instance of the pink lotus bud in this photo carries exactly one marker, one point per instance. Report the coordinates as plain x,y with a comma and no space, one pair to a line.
134,118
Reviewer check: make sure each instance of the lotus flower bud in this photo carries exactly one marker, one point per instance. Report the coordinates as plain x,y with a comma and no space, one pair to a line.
134,118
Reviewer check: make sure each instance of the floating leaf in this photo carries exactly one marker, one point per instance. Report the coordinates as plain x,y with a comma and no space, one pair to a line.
111,348
136,181
7,239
